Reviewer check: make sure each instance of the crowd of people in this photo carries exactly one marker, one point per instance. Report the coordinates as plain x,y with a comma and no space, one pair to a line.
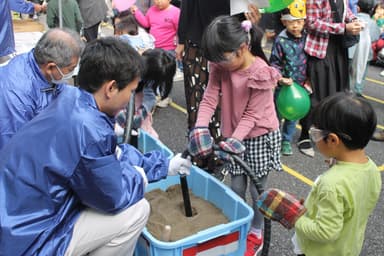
80,175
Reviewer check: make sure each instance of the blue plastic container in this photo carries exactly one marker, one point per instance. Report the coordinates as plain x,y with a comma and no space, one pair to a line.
225,239
147,143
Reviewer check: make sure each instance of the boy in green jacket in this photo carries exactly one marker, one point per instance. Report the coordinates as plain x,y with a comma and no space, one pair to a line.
343,197
334,216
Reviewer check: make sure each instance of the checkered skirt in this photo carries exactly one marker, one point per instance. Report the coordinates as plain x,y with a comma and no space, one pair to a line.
262,155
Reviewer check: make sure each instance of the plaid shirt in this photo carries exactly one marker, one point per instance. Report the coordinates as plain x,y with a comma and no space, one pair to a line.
320,24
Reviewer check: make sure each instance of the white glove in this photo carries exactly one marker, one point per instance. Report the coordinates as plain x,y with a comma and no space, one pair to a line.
179,165
119,131
142,173
118,153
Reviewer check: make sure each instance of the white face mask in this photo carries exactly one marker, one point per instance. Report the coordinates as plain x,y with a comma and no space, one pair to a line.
64,78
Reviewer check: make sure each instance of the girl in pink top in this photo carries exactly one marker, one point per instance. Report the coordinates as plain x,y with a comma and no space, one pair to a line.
162,19
242,82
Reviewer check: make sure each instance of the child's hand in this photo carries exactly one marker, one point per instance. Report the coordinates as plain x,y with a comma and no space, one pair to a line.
307,86
229,147
285,81
200,142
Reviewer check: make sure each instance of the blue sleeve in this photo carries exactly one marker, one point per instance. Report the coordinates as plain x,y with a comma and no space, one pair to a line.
276,58
109,184
154,163
103,183
352,4
22,6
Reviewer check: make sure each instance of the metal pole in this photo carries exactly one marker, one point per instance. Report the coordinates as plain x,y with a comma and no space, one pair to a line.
60,15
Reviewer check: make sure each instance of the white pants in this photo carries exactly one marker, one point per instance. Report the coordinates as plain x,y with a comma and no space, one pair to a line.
102,234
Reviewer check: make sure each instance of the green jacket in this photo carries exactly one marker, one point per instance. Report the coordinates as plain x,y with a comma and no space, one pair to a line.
71,15
338,208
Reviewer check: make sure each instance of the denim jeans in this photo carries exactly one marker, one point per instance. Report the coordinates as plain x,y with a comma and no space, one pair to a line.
288,130
179,64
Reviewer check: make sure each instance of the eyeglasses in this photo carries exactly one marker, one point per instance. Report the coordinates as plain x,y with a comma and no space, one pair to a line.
228,58
317,134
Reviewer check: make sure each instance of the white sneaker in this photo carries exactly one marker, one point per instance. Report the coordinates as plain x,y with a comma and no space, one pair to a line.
179,76
382,73
163,103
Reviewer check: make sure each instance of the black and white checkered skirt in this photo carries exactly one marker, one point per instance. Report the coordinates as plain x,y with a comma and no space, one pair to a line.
262,155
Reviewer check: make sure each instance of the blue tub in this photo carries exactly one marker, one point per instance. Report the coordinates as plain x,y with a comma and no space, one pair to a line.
224,239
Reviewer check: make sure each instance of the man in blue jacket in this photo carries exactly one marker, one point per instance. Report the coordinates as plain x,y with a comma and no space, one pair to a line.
66,187
30,81
7,38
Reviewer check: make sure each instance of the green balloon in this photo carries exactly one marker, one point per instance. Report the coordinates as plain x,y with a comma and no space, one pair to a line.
277,5
293,102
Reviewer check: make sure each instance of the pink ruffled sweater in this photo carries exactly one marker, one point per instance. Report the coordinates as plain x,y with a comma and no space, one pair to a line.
246,96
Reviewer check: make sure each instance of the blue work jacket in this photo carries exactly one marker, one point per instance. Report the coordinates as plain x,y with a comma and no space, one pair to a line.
59,163
7,38
24,92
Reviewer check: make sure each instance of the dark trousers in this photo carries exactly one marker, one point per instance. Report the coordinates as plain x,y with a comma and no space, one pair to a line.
91,32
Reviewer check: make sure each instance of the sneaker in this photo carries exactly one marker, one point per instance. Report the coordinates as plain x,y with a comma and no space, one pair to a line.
382,73
378,136
254,245
163,103
305,147
179,76
286,148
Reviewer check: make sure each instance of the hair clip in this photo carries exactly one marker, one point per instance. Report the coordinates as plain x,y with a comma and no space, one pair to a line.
246,25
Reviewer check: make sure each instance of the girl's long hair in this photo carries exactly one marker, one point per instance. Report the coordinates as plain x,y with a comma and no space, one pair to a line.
226,34
160,67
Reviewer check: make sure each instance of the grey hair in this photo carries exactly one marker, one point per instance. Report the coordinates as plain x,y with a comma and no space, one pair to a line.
58,45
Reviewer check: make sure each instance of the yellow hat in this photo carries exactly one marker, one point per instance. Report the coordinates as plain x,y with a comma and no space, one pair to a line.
297,11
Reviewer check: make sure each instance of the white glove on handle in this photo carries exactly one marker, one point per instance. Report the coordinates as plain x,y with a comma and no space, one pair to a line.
179,165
